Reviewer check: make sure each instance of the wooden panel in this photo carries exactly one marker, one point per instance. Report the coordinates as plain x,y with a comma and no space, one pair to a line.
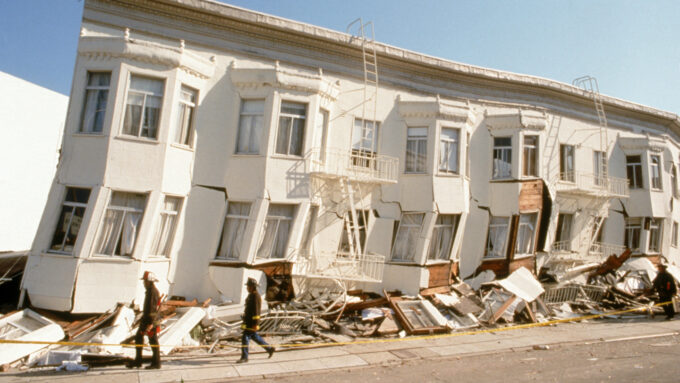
531,195
440,275
528,262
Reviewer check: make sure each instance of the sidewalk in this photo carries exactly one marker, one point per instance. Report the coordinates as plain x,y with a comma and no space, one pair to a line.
362,354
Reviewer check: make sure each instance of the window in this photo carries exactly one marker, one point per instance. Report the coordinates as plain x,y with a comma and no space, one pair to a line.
291,128
467,154
526,234
655,228
634,171
448,150
184,129
502,157
443,234
674,180
121,223
632,234
599,162
497,236
364,142
274,240
321,134
310,225
143,108
362,218
250,125
233,231
563,232
416,150
96,95
674,237
655,171
70,219
165,230
404,248
567,163
530,159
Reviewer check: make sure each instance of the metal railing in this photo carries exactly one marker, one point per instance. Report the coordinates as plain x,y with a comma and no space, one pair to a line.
561,246
590,183
606,249
356,165
341,265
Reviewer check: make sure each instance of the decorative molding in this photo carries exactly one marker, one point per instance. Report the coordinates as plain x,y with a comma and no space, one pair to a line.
515,119
457,112
648,143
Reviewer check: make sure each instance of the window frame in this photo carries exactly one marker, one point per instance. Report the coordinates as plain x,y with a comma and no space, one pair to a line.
674,180
169,235
252,126
498,224
293,118
655,172
447,143
98,89
74,205
499,153
241,223
263,233
521,226
418,159
634,171
655,235
185,126
142,116
632,225
599,158
121,226
439,253
674,234
407,229
564,228
567,152
530,156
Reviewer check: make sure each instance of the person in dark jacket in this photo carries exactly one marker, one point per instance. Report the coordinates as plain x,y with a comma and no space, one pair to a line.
251,321
664,284
150,323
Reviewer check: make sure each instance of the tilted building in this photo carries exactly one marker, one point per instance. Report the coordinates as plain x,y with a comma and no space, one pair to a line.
210,143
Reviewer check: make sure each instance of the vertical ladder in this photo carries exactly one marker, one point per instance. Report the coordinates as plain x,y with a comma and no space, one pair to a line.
589,84
351,220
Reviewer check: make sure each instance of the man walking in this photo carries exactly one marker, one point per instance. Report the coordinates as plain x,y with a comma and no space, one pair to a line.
149,325
664,284
251,320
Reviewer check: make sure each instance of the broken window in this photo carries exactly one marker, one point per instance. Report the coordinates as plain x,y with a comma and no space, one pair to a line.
599,161
443,234
634,171
70,220
497,237
250,125
404,248
362,218
121,223
143,107
416,150
449,150
502,157
166,226
291,131
530,160
632,234
184,122
567,163
234,230
526,234
655,171
655,229
563,233
275,232
674,236
96,96
365,142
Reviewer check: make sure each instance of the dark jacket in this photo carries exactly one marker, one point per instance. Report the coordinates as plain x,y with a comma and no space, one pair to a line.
151,306
664,284
251,314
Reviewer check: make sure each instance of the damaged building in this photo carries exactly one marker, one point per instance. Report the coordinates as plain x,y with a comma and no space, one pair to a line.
209,144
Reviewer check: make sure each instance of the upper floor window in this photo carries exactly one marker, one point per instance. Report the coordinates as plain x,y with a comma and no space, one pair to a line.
276,231
599,164
96,95
467,154
655,229
631,238
184,129
250,126
497,237
448,150
406,241
364,142
416,150
530,156
162,239
502,157
121,223
70,220
442,236
634,171
655,171
291,131
567,163
234,230
143,107
674,180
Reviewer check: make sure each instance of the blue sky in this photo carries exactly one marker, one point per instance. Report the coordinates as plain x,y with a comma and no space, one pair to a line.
632,47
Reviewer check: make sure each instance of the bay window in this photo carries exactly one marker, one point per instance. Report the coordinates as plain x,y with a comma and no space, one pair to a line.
416,150
70,220
530,156
276,231
448,150
233,231
291,131
165,231
443,235
250,126
143,107
502,157
184,122
120,226
497,237
96,96
404,248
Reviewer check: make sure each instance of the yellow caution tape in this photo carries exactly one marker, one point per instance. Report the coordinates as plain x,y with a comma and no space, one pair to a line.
327,344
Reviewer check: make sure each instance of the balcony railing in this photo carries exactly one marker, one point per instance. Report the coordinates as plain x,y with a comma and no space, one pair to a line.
606,249
592,184
598,251
341,265
356,165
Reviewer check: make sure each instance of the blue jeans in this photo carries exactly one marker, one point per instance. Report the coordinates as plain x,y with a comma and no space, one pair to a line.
245,340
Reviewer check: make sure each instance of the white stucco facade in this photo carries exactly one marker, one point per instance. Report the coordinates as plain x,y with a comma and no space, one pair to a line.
206,143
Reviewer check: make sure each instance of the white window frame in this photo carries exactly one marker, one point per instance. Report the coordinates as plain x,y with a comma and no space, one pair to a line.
567,164
407,234
449,148
441,248
655,172
73,206
674,180
166,227
599,159
126,211
526,230
674,235
287,134
655,235
495,225
230,248
186,112
634,169
268,254
564,227
501,159
530,156
250,127
146,97
416,140
92,121
633,230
